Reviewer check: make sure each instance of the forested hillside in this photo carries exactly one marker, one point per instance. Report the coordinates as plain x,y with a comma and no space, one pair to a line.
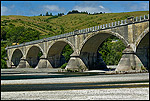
19,29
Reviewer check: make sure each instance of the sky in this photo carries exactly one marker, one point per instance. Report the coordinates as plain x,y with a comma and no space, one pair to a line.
35,8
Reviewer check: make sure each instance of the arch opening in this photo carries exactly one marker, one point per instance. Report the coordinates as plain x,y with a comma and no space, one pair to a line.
17,55
33,56
97,52
59,54
142,51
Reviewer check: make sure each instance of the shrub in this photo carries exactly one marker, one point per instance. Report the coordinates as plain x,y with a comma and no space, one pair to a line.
63,66
143,68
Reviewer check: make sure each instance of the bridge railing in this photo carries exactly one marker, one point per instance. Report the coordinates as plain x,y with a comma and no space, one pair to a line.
87,30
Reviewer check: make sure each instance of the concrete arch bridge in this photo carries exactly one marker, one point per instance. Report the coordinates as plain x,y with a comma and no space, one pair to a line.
133,31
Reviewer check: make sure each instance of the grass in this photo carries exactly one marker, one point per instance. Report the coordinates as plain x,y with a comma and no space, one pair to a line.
49,25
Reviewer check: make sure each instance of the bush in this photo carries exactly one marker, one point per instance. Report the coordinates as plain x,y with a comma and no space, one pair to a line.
3,60
3,64
63,66
143,68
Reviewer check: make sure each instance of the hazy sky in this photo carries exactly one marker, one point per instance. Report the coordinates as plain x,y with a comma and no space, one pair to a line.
34,8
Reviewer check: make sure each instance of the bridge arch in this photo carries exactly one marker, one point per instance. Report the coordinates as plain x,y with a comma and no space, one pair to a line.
88,48
16,56
58,42
14,51
105,35
141,36
29,47
142,48
54,52
33,54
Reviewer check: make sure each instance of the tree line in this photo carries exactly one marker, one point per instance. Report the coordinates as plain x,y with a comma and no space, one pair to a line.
50,14
84,12
18,34
71,12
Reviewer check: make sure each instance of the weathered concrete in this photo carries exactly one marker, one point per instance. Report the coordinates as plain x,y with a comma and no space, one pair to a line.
75,63
85,43
129,61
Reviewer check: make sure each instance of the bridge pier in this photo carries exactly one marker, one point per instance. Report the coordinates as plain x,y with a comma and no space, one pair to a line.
93,61
129,61
75,63
23,63
43,63
9,63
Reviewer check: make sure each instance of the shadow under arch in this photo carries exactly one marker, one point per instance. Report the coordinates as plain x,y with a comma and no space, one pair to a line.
89,48
16,57
142,35
142,48
105,35
33,55
54,52
36,45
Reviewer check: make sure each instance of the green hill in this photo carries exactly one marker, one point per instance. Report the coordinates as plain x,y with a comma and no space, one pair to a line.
50,25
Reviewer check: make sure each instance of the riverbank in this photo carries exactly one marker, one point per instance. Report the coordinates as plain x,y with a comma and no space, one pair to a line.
91,87
84,94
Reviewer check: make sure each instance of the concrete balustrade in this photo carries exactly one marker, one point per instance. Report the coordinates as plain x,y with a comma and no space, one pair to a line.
118,22
106,26
112,24
88,29
100,26
103,26
115,23
140,18
144,17
109,25
121,22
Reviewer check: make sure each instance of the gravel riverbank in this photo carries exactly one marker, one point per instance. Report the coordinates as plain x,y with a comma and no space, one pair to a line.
99,93
84,94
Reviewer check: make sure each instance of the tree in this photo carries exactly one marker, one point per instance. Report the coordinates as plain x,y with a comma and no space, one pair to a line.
21,34
62,29
73,11
14,34
60,14
47,14
67,51
51,14
85,12
3,55
40,15
111,51
3,33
